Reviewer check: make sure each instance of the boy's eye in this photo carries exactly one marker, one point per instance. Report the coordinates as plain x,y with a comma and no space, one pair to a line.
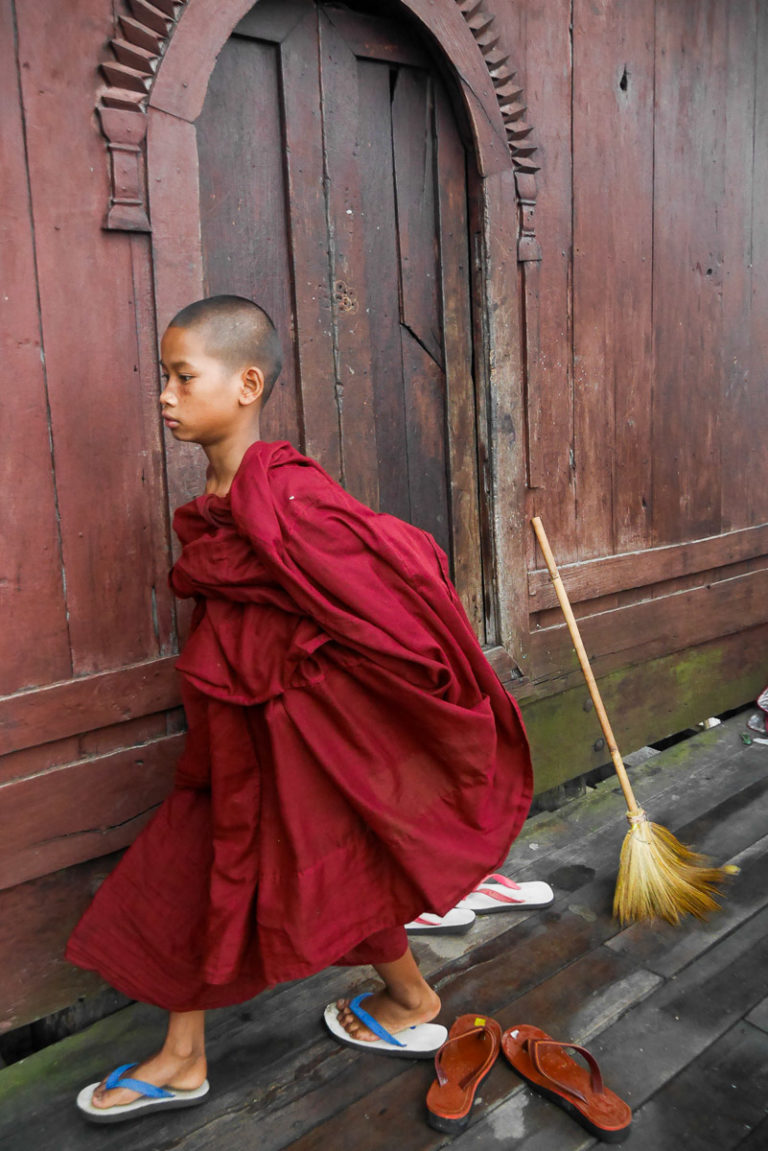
185,379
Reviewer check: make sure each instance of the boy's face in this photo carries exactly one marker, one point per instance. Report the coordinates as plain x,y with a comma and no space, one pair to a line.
202,400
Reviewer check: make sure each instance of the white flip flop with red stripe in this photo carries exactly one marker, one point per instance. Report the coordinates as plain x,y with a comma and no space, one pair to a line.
497,893
456,922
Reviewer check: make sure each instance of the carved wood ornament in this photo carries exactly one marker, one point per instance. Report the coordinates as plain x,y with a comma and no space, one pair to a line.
139,49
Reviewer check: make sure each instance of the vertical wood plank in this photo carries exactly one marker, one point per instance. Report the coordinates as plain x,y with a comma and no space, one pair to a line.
501,420
89,334
413,147
425,439
345,148
613,75
164,603
303,142
758,486
461,430
412,135
174,202
740,451
244,222
35,643
377,190
541,35
691,61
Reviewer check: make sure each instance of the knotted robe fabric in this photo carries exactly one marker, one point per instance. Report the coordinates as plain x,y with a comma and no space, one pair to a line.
351,758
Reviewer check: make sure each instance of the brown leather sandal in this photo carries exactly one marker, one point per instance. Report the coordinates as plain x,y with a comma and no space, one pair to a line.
461,1064
546,1067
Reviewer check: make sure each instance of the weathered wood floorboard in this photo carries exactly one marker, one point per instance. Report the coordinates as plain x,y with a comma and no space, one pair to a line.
675,1015
732,1075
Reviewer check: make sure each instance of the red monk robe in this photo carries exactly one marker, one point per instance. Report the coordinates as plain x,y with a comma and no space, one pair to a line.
351,761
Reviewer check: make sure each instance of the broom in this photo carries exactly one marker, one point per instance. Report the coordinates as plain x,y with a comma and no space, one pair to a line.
658,876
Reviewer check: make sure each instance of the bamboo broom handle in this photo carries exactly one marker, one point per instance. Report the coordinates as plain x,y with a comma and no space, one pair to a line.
573,628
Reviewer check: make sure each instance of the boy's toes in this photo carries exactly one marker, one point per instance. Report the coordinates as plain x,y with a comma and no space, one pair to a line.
351,1024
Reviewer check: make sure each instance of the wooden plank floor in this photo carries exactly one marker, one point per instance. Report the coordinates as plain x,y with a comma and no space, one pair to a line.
678,1017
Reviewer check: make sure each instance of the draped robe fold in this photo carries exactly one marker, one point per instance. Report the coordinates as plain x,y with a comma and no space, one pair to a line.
351,758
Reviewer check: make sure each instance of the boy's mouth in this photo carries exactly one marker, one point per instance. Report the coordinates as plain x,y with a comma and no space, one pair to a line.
170,421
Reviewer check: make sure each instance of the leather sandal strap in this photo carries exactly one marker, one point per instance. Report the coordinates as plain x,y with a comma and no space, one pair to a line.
442,1078
534,1047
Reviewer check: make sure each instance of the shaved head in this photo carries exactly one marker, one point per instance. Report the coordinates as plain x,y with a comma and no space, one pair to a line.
237,332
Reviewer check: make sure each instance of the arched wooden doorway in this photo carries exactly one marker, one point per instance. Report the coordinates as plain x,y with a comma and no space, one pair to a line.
273,170
333,190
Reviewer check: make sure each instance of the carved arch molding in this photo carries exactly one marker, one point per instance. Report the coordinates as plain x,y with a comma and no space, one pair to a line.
139,51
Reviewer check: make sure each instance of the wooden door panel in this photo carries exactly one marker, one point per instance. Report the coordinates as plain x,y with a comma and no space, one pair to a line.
35,641
242,185
425,439
319,145
461,412
302,110
32,718
688,270
273,20
414,159
370,37
84,809
382,289
351,269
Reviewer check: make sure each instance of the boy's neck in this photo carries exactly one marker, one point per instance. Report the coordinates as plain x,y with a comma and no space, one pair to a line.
225,458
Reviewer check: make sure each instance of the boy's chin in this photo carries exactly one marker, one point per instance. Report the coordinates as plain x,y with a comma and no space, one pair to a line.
183,434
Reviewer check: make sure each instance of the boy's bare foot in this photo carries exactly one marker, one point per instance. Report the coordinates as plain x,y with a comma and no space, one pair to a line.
163,1070
395,1010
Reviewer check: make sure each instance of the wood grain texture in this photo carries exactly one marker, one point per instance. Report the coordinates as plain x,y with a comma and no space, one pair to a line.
31,761
414,160
201,33
655,627
688,269
546,74
678,691
319,417
36,919
79,705
758,488
174,204
377,190
741,451
346,148
601,577
613,77
243,204
91,353
425,440
446,24
461,415
35,640
81,810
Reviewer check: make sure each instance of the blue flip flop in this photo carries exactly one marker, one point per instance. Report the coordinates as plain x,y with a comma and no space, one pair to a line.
152,1098
420,1042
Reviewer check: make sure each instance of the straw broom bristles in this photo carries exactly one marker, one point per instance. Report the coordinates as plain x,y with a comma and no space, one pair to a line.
659,878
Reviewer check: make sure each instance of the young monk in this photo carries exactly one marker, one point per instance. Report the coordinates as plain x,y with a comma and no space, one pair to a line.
351,759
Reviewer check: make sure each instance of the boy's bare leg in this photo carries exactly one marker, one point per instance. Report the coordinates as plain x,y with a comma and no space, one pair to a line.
406,999
180,1062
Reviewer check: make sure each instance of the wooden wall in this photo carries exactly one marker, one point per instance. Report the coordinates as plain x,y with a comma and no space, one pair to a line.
649,369
646,453
88,715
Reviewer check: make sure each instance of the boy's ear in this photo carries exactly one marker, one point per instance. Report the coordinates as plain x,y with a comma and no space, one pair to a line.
252,385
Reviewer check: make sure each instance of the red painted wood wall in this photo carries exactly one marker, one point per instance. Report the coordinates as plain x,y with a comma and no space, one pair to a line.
642,369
